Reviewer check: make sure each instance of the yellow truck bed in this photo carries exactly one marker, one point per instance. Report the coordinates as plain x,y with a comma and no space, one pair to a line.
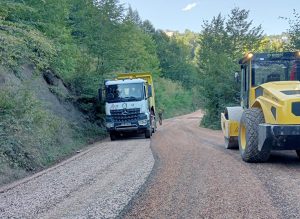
147,76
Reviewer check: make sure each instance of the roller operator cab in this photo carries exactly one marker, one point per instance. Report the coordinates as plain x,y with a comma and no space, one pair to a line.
269,115
129,105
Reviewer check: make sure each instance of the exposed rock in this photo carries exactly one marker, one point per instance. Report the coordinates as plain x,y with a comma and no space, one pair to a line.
51,78
39,85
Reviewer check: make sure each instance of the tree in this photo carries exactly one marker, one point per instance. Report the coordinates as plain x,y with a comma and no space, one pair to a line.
222,42
294,30
242,36
276,43
175,60
148,28
138,47
190,41
95,27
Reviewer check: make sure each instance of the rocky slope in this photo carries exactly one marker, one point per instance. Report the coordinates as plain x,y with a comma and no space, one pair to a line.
40,122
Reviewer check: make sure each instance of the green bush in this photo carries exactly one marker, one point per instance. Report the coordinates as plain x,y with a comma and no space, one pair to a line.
174,99
19,43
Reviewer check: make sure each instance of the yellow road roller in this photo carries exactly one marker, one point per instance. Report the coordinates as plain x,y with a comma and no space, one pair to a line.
269,116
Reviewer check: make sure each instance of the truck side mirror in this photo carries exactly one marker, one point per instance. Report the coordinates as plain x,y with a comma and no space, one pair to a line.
100,94
149,91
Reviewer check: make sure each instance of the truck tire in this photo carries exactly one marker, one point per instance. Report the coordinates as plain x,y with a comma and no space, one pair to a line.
148,133
113,136
231,143
298,153
248,136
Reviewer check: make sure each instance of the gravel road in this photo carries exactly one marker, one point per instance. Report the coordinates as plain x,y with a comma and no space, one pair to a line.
194,176
97,183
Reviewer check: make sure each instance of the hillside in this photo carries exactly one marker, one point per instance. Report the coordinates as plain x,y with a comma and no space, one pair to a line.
53,57
40,123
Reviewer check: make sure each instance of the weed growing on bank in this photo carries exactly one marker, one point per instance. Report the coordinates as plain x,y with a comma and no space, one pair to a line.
31,137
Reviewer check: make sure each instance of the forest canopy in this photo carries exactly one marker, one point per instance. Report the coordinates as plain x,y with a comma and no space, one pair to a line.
87,41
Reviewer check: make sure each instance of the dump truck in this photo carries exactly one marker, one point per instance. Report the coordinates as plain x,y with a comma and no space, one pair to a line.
130,104
269,116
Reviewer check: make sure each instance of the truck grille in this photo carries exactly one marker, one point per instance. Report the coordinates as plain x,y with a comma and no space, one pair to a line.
125,115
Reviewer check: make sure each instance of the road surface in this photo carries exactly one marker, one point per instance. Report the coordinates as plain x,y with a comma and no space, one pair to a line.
195,177
98,183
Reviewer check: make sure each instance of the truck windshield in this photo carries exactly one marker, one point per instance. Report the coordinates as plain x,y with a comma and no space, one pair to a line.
124,92
268,71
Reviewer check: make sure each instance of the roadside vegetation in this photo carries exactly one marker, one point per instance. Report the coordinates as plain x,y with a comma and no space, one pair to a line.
31,137
223,41
83,42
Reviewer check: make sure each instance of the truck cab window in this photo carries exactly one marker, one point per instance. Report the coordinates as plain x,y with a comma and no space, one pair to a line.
125,92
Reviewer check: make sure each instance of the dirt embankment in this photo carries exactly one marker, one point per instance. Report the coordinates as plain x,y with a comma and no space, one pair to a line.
40,122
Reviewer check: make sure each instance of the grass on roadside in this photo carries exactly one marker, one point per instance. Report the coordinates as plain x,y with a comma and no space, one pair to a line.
31,137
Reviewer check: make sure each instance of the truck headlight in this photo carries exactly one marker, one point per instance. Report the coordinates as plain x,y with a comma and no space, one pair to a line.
110,124
143,122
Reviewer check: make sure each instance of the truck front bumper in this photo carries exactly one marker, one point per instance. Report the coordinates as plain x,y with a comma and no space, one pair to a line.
127,128
279,137
140,125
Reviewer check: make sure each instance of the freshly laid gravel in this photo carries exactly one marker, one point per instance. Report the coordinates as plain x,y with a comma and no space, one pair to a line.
196,177
96,184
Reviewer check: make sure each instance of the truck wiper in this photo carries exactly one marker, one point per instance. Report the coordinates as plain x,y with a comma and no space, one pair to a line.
115,100
130,98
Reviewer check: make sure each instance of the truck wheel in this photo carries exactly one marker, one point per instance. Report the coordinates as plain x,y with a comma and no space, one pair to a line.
231,143
113,136
248,136
148,133
298,153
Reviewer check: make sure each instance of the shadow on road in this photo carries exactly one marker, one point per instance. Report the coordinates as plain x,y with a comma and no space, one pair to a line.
284,157
288,158
130,136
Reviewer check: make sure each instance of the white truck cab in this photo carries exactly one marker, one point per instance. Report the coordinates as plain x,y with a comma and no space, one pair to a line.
127,107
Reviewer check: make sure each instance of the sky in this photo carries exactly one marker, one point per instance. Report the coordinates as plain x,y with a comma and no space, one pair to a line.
180,15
